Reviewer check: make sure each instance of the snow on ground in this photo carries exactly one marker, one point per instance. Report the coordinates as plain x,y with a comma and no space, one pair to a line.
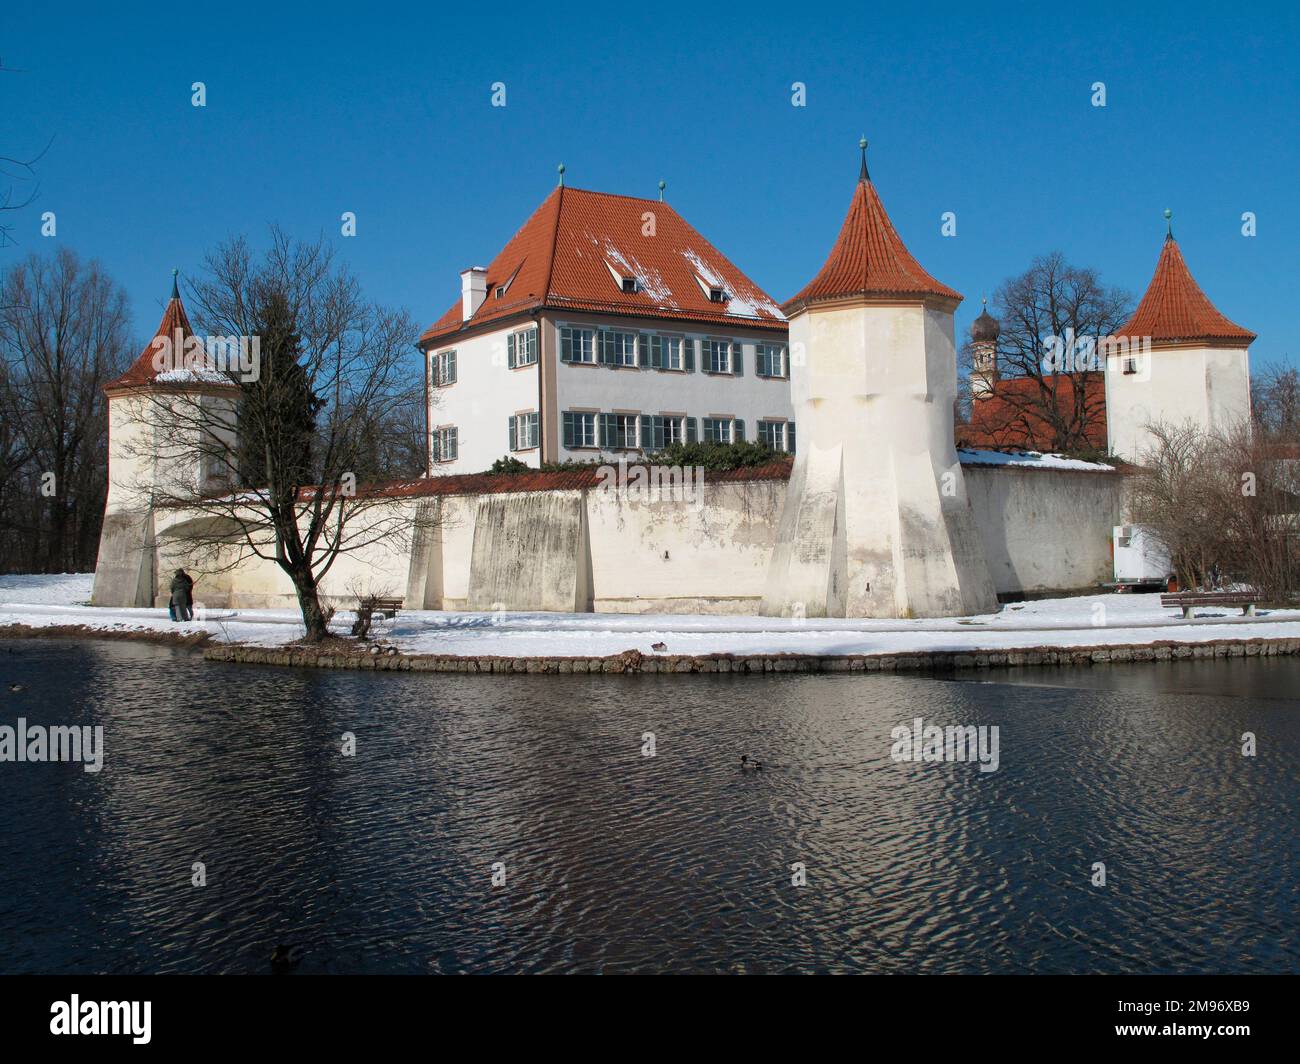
61,589
44,601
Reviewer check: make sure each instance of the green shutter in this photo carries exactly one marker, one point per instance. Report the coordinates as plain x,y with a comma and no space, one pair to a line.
763,361
737,359
510,350
568,428
514,440
647,435
606,436
740,431
688,354
691,434
789,436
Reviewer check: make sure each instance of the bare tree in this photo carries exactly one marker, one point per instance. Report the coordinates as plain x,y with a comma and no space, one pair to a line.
1050,380
18,185
290,488
1229,499
1275,398
63,335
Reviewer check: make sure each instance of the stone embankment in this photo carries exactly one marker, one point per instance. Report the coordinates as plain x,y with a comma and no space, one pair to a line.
633,661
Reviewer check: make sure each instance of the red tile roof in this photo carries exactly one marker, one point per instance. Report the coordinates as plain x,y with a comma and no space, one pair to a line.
1012,415
869,259
575,479
1175,309
145,370
562,256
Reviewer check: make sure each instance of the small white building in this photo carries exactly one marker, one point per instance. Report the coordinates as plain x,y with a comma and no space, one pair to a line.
607,326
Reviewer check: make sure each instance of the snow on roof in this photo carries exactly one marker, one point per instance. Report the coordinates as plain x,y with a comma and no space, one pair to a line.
562,256
191,376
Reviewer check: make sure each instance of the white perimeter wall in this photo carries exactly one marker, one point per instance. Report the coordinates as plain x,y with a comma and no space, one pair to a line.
1041,531
1045,530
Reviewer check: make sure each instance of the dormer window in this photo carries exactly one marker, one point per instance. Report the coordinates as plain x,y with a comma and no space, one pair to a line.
626,282
717,295
499,292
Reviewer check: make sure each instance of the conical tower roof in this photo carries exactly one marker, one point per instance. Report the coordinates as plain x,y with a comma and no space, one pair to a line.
153,368
1175,310
869,257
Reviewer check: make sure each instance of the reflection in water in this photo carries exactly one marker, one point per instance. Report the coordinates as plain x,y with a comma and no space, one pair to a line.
618,862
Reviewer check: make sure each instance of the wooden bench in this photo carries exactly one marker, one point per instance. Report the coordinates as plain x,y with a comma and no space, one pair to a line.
1187,600
383,607
371,607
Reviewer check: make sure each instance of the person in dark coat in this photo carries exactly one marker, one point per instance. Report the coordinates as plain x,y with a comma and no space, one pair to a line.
182,599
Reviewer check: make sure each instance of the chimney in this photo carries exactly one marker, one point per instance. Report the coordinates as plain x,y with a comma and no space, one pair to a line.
473,290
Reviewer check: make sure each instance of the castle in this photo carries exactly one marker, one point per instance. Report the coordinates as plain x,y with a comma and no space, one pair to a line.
608,327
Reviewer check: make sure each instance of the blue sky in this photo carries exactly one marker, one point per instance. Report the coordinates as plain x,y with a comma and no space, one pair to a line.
977,109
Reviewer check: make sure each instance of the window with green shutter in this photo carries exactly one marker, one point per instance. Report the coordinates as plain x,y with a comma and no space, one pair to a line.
576,345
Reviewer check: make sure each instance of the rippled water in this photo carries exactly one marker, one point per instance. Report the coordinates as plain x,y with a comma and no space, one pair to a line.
620,862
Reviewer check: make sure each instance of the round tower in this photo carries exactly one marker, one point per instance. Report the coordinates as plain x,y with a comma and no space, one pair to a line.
876,521
171,383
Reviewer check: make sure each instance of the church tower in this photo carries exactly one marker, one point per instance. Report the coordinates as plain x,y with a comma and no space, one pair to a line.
1177,360
169,379
876,522
984,332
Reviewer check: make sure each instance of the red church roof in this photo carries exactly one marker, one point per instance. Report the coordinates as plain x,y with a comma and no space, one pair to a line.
568,253
1011,416
869,257
1174,309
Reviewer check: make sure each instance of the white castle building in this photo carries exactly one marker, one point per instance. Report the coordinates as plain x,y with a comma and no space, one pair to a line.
608,327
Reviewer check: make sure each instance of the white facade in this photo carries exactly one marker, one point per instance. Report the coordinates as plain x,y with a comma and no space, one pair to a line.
495,381
478,403
1193,384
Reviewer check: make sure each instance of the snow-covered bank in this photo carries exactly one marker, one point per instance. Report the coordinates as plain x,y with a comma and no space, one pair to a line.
1093,620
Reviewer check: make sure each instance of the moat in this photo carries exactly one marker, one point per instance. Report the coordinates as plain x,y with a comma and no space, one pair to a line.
616,861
